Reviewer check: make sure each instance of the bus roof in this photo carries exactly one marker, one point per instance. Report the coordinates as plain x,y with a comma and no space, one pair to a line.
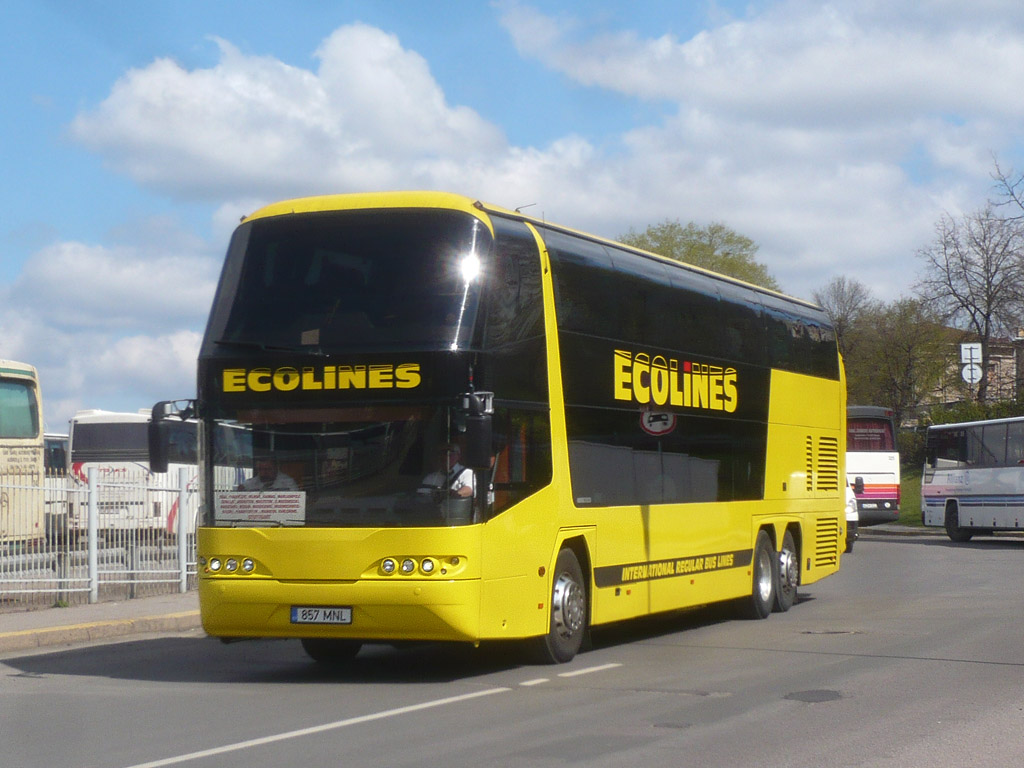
452,201
982,422
14,368
95,415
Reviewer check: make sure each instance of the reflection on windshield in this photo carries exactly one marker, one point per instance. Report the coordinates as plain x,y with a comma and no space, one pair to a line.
359,279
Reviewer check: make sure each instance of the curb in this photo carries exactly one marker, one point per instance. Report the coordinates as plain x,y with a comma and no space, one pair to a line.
98,630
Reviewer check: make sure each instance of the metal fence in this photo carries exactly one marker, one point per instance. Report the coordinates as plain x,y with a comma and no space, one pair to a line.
66,541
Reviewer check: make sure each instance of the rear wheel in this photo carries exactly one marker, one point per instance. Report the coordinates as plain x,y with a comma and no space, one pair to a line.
327,650
789,574
568,612
765,578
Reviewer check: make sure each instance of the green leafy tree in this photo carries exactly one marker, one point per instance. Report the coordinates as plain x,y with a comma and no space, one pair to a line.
898,356
715,247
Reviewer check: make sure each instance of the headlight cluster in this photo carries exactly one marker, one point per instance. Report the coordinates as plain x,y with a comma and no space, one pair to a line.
227,565
423,566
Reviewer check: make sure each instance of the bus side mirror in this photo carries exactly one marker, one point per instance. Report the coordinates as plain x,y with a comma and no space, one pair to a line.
158,431
478,452
858,485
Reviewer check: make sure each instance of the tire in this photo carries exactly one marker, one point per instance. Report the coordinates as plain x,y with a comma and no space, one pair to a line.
789,574
765,579
953,529
568,612
330,650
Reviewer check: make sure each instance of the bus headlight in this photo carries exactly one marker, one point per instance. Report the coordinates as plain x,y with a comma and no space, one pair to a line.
231,565
388,566
248,565
427,566
215,564
408,566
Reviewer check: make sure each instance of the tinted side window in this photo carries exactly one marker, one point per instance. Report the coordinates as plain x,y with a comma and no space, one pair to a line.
587,296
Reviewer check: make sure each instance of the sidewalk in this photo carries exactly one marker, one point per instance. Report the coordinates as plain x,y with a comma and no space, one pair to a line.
28,630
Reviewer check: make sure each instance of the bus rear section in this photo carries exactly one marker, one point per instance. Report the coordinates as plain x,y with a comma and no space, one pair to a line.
423,418
21,455
873,463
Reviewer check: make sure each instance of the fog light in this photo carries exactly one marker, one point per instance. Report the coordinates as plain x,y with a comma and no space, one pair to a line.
214,564
427,566
388,566
231,565
248,565
202,562
408,566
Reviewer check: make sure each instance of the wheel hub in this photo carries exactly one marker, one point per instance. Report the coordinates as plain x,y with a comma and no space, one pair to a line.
568,606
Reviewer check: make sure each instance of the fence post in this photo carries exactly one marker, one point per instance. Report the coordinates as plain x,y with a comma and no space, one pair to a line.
182,529
94,527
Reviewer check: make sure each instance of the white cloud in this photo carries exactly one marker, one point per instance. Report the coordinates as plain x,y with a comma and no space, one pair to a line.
828,133
255,126
113,326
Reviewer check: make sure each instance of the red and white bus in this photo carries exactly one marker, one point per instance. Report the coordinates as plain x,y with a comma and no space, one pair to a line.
873,462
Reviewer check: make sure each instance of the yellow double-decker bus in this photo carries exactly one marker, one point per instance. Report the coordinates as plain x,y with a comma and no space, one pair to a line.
459,423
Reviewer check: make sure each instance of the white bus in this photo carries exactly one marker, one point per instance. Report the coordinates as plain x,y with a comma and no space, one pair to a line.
131,497
21,454
873,462
973,479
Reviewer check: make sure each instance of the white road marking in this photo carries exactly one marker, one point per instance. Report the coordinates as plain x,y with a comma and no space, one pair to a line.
588,670
317,729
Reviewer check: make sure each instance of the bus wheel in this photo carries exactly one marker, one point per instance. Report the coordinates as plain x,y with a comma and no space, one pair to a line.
765,566
326,650
789,574
953,529
568,612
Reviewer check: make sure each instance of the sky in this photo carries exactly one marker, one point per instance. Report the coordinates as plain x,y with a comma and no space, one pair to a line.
134,136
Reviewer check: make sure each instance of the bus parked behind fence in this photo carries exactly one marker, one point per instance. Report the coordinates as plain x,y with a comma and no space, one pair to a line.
21,454
131,496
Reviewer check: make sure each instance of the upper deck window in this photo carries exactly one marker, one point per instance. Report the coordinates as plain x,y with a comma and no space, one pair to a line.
356,279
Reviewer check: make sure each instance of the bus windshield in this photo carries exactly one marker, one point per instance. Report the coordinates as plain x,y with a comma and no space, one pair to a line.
19,412
364,279
382,466
869,434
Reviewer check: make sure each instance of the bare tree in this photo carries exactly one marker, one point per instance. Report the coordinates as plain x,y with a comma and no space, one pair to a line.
974,273
1010,187
845,300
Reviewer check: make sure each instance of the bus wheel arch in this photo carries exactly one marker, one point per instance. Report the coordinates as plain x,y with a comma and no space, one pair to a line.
788,570
951,518
570,605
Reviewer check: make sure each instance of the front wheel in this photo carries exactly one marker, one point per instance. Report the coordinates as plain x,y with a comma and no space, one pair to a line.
568,612
765,573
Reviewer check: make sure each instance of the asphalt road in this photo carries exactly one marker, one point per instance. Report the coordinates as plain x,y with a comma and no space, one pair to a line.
911,656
